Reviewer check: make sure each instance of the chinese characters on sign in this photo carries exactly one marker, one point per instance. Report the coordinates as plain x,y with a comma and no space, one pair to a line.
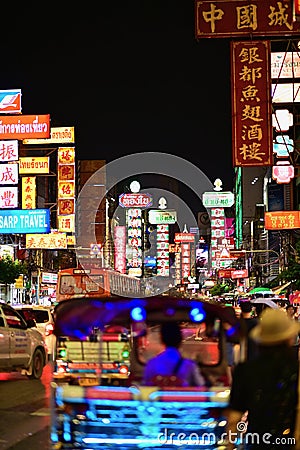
28,192
66,189
226,18
251,104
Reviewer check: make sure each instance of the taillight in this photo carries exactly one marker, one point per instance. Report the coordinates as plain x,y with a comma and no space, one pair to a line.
123,370
49,329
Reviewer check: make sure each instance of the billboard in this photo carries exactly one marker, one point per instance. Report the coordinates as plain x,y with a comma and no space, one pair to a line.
21,127
241,18
10,101
252,138
24,221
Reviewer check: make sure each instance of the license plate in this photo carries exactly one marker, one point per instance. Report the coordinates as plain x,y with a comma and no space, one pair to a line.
88,382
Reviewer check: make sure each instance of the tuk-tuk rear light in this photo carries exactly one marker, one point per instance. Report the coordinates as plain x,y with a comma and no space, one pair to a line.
123,369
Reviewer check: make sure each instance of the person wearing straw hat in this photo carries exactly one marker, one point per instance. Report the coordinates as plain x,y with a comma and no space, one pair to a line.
263,397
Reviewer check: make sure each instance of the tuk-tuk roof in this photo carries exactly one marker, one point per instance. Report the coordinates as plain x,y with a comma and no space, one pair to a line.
79,316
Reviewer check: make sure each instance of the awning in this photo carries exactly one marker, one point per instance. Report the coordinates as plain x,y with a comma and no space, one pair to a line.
277,290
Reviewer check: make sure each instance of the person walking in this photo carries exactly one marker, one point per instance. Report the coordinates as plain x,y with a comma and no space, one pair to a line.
170,362
263,397
248,347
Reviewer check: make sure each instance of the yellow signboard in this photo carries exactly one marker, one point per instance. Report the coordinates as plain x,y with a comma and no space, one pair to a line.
34,164
47,241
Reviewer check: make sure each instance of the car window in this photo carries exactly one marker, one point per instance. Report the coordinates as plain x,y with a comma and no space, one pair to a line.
13,319
40,316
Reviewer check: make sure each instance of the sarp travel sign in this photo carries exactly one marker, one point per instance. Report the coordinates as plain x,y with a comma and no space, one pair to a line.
24,221
135,200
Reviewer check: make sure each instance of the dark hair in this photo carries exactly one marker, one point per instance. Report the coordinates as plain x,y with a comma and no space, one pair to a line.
171,334
246,307
291,306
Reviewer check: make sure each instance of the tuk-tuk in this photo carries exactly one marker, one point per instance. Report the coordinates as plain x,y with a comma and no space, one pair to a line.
124,414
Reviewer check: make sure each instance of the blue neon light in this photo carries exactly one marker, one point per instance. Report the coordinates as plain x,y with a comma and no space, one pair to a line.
197,314
138,314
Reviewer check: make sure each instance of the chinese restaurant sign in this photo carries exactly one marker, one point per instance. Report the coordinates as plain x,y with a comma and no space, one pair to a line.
20,127
282,220
251,104
48,241
229,19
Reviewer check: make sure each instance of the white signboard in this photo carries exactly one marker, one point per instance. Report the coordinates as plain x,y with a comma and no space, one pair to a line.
217,199
158,216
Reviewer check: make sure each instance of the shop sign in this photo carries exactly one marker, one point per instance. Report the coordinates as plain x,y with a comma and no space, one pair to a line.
137,200
158,216
217,199
24,221
234,18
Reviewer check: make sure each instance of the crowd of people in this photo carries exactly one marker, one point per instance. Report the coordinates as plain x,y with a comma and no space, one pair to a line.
263,382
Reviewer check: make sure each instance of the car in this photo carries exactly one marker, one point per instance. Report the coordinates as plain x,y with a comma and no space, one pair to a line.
44,323
23,348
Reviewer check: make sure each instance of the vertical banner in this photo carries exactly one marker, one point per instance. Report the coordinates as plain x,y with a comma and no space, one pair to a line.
251,104
28,192
66,189
134,240
163,265
120,248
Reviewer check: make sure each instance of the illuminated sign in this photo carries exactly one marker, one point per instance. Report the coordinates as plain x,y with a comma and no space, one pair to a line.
251,104
283,173
33,164
281,220
229,19
158,216
286,93
48,241
8,197
184,237
48,277
217,199
285,65
58,135
21,127
25,221
28,192
9,151
10,101
133,200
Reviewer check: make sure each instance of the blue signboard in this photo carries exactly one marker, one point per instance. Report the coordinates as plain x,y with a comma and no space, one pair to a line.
15,221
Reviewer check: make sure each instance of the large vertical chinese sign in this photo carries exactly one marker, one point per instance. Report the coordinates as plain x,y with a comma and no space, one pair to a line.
66,189
251,104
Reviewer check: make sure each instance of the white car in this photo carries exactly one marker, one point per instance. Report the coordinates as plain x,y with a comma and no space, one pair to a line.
44,323
22,348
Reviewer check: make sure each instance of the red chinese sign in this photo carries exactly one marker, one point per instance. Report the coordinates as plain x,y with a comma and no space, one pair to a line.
133,200
227,19
251,104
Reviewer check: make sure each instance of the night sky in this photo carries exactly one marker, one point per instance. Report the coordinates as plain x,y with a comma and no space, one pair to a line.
129,75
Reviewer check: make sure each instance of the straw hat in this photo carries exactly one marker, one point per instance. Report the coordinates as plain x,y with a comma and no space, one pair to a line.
274,327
